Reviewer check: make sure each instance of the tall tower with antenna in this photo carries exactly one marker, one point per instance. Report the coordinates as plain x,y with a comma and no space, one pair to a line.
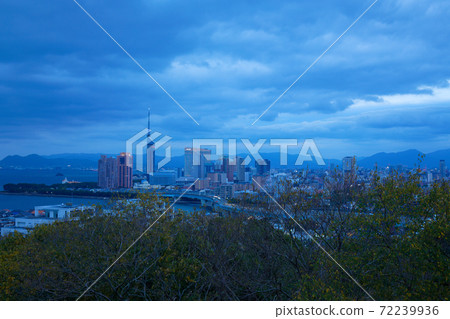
151,168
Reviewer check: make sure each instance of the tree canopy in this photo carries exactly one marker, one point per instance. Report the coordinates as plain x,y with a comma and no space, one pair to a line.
391,236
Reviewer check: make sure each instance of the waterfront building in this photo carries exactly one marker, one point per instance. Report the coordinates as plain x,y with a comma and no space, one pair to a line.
184,181
107,172
165,178
42,215
143,185
66,181
125,170
116,172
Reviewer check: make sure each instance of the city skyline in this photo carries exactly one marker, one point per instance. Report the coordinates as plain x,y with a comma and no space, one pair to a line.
362,97
241,151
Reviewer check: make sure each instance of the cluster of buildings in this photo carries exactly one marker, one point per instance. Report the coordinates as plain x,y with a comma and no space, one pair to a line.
229,177
429,176
314,179
223,177
24,222
115,172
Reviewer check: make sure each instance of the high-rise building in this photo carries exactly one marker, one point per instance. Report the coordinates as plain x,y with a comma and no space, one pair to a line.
229,167
151,165
107,172
262,167
442,169
199,170
205,163
208,167
125,170
189,161
240,169
349,164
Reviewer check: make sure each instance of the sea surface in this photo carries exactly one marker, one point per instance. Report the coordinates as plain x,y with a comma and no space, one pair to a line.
49,177
27,202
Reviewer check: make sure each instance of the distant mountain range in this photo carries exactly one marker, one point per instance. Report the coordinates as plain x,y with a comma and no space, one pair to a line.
78,161
409,158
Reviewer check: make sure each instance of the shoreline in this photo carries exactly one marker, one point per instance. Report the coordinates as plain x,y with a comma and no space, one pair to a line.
53,195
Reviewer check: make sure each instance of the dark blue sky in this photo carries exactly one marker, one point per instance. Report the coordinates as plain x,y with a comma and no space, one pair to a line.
65,87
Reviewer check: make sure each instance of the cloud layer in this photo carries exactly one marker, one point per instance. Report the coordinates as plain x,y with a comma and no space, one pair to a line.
66,87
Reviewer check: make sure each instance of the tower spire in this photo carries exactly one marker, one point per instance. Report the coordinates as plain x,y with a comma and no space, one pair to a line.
150,148
148,123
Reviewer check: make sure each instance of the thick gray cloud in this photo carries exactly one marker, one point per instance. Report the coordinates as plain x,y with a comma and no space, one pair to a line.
66,87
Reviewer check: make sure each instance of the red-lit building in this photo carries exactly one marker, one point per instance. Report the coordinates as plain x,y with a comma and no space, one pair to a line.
115,172
125,167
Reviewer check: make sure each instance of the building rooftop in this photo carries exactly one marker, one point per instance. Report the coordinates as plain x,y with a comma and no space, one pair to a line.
66,205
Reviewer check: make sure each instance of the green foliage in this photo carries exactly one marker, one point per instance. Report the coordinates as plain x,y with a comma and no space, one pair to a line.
392,236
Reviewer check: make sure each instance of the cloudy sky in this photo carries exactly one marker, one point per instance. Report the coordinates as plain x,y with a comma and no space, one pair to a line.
66,87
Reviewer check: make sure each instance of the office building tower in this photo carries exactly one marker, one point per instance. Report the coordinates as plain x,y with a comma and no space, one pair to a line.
107,172
208,168
188,161
151,165
240,169
180,172
262,167
200,169
125,170
349,164
248,176
205,163
228,167
224,164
